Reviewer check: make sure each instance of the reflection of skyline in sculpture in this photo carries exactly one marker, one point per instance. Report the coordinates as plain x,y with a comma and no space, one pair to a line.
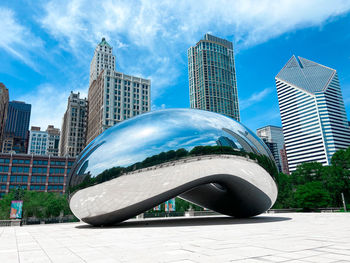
161,131
111,166
224,141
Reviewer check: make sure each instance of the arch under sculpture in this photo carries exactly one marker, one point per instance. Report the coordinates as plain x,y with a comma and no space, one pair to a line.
202,157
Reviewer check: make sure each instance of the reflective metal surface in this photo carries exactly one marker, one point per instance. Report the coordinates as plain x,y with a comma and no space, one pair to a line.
115,157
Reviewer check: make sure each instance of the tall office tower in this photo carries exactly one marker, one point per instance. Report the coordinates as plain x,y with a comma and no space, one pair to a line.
312,110
103,59
38,141
17,125
4,101
212,76
273,138
114,97
53,140
74,125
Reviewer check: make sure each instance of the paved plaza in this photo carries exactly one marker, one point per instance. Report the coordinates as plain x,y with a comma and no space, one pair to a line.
290,237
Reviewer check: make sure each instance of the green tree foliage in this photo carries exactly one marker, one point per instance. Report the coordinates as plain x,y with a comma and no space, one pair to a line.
285,191
307,172
312,195
183,205
35,204
334,179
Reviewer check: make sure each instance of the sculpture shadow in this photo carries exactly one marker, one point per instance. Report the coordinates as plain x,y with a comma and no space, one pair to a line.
190,221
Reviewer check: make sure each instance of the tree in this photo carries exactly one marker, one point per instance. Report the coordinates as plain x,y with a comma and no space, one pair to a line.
307,172
311,195
36,204
285,193
341,159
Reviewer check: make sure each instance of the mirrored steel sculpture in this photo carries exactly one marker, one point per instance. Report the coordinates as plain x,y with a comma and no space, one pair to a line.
203,157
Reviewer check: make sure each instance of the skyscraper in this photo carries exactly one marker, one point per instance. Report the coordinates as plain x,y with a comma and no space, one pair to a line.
17,125
273,138
103,59
114,97
212,76
312,111
4,101
74,125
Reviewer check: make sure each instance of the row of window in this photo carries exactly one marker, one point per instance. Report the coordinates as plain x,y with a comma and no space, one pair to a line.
32,187
34,179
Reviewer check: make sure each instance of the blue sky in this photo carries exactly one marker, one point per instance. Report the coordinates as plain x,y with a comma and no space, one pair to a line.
46,47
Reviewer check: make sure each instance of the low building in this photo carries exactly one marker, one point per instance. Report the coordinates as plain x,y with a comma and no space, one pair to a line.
34,172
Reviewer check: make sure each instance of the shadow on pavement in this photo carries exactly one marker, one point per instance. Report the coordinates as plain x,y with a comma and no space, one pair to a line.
192,221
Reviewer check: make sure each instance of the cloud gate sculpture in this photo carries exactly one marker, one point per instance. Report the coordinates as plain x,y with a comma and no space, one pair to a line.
203,157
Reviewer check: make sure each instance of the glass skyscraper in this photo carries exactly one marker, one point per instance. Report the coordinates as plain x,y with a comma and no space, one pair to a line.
312,111
17,125
212,76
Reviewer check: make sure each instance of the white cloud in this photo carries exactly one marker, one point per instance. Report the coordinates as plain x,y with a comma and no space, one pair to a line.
17,39
48,105
161,30
147,21
156,107
254,98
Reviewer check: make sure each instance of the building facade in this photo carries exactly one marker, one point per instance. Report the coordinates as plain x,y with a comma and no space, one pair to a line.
34,172
53,140
114,97
17,125
4,102
38,141
212,76
312,111
284,160
103,59
74,126
273,138
44,142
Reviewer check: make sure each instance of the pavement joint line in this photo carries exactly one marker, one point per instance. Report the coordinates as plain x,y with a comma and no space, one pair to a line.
18,258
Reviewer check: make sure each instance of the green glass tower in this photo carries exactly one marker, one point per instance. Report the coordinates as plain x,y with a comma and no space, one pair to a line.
212,76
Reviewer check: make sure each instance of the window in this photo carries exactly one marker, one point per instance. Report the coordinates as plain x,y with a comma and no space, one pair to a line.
2,160
21,161
4,169
55,187
20,169
56,170
38,179
24,187
56,179
58,163
39,170
3,178
19,179
40,162
37,187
